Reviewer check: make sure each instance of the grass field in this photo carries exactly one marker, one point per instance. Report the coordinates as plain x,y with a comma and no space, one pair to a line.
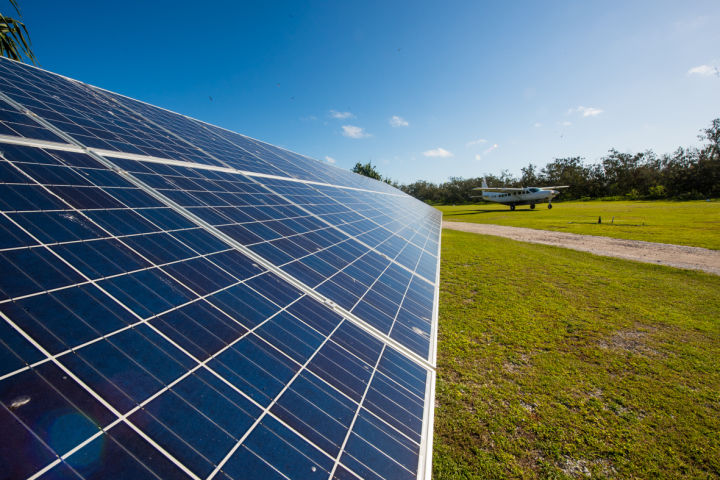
695,223
554,363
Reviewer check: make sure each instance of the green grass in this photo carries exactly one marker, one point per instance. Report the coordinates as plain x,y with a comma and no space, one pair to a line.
554,363
695,223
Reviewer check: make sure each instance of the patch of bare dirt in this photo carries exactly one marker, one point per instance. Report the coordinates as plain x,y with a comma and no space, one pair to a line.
679,256
631,340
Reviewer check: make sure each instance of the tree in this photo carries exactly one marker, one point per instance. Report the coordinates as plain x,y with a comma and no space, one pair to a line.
14,37
367,170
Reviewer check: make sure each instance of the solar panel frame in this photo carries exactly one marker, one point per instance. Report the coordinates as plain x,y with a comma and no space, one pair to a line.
427,365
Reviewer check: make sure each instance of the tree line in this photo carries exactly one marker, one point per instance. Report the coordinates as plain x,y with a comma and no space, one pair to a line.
687,173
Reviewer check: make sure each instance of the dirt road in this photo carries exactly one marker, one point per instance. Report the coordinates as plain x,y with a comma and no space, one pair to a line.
693,258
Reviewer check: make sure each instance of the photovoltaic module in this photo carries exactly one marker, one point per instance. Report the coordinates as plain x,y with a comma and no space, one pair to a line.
181,301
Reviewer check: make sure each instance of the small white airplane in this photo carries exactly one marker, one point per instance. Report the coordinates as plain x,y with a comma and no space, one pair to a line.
519,196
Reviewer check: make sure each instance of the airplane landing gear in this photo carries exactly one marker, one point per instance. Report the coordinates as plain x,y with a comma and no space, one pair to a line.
550,205
532,206
512,208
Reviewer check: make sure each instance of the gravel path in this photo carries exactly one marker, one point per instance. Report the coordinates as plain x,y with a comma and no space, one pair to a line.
693,258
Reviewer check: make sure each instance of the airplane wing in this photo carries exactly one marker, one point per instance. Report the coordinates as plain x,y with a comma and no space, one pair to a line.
499,189
554,187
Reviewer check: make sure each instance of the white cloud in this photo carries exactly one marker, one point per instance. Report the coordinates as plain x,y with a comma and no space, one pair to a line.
341,115
476,142
352,131
537,124
495,146
565,123
478,157
330,160
396,121
437,152
704,71
586,111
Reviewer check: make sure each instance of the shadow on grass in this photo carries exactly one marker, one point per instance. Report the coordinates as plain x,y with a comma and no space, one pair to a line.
473,212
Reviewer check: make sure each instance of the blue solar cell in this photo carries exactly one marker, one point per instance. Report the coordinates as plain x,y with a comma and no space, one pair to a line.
15,350
199,328
33,270
31,457
100,258
297,339
121,453
128,367
17,124
318,412
147,292
12,237
60,412
256,368
67,318
244,304
389,402
279,447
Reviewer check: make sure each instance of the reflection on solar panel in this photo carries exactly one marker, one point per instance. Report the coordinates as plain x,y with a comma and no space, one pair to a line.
178,300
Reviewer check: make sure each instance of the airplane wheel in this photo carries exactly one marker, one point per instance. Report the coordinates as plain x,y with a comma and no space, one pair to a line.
549,205
512,208
532,206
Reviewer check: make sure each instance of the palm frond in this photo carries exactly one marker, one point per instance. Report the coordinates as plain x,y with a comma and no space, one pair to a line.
14,37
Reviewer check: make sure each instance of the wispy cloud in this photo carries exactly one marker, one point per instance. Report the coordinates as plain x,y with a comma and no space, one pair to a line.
495,146
565,123
437,152
705,71
352,131
396,121
478,157
341,115
586,111
330,160
537,124
475,142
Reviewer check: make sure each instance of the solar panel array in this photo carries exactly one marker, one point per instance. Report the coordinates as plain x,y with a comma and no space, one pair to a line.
178,300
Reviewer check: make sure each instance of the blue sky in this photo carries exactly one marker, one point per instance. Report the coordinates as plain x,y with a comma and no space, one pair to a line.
424,90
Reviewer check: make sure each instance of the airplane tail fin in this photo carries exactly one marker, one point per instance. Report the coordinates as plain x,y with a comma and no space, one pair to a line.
484,184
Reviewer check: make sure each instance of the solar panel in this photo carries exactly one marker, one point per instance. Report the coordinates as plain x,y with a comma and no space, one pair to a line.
178,300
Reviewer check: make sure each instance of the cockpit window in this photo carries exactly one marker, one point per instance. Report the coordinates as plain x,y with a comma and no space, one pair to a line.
533,190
